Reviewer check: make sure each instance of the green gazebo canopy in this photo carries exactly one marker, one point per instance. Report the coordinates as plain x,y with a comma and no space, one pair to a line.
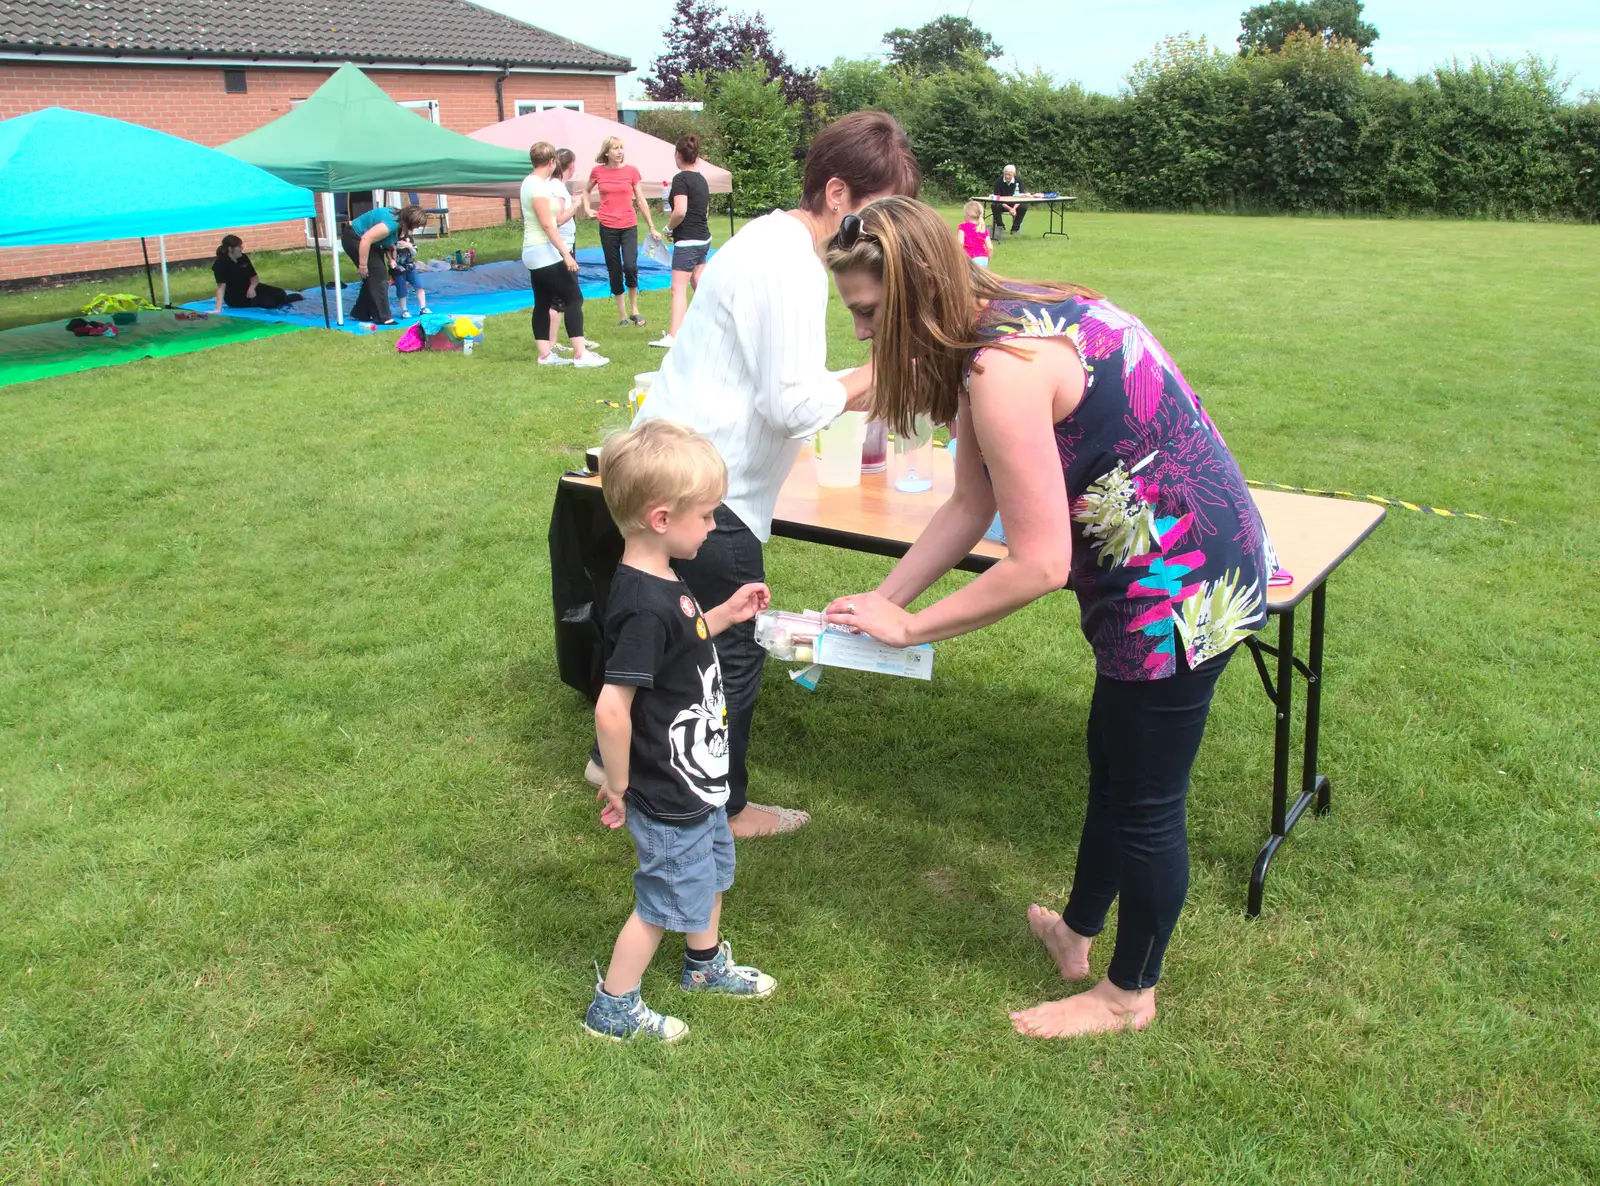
349,135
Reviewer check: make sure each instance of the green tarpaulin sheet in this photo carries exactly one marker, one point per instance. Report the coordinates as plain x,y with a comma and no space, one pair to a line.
38,351
349,135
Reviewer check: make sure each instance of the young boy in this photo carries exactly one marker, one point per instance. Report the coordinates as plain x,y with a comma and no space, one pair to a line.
662,723
406,277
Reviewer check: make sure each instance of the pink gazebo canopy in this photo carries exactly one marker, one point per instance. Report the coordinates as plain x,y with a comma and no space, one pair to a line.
584,133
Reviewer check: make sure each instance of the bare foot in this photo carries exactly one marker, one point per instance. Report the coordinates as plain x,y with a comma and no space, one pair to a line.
1069,949
1104,1008
757,819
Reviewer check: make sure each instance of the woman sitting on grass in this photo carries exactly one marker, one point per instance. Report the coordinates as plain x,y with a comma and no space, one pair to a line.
238,286
1078,428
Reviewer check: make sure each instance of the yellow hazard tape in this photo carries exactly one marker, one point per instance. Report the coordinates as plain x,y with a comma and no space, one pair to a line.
1379,499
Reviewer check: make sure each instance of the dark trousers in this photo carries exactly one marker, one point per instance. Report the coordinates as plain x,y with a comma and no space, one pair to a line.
1000,217
554,286
373,303
730,558
1143,738
267,297
621,247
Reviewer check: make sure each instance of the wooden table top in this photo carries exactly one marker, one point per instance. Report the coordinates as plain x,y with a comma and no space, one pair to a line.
1312,535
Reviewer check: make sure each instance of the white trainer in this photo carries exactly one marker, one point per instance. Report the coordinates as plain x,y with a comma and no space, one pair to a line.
555,360
590,359
665,341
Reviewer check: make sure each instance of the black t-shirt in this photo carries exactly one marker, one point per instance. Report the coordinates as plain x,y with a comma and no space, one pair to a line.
234,276
657,642
694,228
1004,188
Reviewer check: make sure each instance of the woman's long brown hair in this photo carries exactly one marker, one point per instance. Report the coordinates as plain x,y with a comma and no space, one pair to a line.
934,302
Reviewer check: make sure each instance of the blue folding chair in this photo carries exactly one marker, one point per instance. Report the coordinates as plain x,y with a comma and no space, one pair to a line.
442,213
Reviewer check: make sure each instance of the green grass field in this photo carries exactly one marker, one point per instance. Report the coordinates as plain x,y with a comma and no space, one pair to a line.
299,881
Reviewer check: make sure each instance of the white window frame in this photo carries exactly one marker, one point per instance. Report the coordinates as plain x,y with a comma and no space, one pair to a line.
530,106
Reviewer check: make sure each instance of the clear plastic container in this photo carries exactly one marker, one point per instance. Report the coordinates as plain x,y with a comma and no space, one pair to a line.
839,450
875,448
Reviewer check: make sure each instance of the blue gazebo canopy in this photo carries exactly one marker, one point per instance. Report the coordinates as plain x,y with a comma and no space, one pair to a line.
70,177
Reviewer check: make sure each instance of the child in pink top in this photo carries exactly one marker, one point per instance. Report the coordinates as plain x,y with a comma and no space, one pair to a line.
975,236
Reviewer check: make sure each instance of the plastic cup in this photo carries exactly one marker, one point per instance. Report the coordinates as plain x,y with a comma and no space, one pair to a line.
839,450
912,470
875,448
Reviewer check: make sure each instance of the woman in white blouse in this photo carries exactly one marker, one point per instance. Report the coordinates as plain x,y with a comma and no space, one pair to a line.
749,369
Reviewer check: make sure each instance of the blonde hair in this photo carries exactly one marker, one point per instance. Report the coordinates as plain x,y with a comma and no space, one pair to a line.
606,146
659,463
541,152
973,212
933,307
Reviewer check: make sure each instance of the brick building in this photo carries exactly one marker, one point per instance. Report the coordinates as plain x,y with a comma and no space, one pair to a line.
212,70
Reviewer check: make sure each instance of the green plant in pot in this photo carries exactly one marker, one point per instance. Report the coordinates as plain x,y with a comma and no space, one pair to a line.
124,307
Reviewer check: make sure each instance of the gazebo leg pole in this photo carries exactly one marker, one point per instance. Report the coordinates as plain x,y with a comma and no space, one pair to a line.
333,249
322,286
166,288
148,277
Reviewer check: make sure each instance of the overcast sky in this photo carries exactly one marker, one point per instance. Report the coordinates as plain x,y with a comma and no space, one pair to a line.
1097,43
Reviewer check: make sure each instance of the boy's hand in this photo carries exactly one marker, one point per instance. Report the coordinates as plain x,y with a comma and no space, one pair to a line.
749,601
614,812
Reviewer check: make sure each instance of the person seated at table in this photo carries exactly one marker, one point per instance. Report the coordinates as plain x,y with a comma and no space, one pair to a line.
1008,186
238,286
1127,488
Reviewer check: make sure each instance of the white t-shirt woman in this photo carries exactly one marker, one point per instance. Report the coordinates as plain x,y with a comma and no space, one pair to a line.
537,250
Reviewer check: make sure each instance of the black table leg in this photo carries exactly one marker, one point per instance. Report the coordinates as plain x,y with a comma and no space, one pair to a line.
1058,210
1313,786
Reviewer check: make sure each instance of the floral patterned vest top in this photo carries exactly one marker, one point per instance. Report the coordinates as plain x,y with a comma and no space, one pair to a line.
1168,549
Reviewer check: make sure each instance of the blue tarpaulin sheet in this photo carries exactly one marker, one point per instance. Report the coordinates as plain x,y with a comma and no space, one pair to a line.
486,289
69,177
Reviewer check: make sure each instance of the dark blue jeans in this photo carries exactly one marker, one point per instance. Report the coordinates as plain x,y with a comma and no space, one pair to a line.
730,558
1143,739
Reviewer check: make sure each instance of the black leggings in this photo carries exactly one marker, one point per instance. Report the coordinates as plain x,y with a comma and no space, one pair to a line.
621,245
1143,738
555,285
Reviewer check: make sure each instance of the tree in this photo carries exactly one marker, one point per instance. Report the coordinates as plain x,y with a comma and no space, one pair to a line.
855,85
756,131
1267,26
939,45
703,38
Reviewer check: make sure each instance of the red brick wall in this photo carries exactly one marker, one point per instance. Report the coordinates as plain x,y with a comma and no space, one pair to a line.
189,101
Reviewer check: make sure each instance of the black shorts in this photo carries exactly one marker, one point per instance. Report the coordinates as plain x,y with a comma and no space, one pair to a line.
687,259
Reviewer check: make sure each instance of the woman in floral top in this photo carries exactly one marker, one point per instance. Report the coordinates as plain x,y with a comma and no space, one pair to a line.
1079,429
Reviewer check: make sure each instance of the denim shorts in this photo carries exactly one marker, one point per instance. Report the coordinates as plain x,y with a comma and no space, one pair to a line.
687,259
410,279
682,869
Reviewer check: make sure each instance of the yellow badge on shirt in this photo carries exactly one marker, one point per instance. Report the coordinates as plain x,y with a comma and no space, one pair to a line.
700,629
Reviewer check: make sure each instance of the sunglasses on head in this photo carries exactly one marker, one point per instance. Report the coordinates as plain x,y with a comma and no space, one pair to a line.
851,232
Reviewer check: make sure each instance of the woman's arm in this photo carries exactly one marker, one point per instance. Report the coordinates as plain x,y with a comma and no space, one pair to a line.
644,208
1011,413
220,289
954,530
680,210
374,234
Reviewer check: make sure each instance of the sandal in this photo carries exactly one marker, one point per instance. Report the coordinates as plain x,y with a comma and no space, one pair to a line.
639,321
790,819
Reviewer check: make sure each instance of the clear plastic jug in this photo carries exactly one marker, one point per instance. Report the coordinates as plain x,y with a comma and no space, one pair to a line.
839,450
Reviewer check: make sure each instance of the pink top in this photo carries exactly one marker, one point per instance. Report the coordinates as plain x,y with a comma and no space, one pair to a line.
975,241
616,195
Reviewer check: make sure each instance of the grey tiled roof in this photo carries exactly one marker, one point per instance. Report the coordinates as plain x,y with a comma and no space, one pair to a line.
422,31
